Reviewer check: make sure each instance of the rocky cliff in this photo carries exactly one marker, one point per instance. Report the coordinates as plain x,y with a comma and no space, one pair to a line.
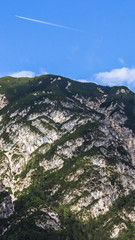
67,160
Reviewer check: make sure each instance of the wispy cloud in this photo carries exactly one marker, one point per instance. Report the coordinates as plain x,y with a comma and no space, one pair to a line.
42,71
118,76
121,60
74,49
48,23
29,74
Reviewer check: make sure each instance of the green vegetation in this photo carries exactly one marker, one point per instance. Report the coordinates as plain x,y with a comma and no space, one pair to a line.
72,228
2,156
3,194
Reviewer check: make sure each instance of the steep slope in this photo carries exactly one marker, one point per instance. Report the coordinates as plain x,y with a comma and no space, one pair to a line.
67,157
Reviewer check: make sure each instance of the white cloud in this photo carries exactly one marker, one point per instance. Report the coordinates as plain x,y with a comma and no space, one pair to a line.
82,80
119,76
29,74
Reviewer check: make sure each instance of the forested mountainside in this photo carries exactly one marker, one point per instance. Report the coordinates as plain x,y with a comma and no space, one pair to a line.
67,160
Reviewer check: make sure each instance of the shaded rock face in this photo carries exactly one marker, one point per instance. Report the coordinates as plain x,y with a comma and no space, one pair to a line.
65,146
6,207
51,221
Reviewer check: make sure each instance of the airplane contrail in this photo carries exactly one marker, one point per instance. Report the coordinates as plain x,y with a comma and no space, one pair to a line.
48,23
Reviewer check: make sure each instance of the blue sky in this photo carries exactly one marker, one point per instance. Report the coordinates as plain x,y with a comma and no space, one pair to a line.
102,51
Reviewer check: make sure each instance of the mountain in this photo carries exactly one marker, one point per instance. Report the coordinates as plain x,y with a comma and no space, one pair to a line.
67,160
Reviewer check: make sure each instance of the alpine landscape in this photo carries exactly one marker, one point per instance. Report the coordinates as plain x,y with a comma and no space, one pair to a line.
67,160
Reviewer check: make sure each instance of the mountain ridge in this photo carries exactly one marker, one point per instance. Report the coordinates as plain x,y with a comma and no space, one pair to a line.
67,159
